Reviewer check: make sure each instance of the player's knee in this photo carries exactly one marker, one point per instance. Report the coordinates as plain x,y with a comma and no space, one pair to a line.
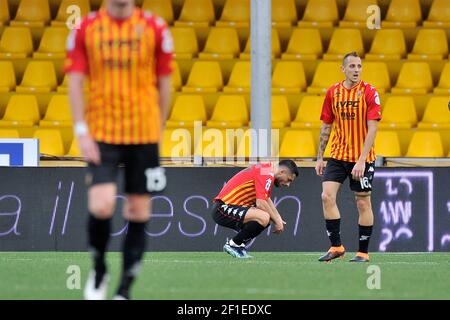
363,204
328,199
264,219
103,209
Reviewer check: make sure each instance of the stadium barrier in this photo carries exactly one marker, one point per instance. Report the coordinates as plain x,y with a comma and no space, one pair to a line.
44,209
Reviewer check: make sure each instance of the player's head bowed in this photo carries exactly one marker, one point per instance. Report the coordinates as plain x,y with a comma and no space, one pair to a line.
286,173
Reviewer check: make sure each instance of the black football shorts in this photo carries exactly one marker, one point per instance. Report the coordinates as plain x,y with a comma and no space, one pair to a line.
143,175
338,171
229,215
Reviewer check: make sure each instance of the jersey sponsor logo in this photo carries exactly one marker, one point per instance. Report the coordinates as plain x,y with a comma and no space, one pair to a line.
349,103
348,115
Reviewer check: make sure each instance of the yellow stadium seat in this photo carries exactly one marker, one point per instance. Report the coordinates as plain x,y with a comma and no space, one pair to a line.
196,13
244,139
425,144
21,111
387,144
205,76
32,13
240,78
388,44
298,144
288,77
344,41
66,12
4,12
8,78
327,74
235,13
58,113
403,14
356,13
50,142
177,83
217,142
16,43
377,74
9,134
230,111
437,114
430,44
443,87
439,15
185,43
308,113
74,150
53,43
414,78
281,116
399,112
245,55
222,43
304,44
186,110
161,8
320,13
176,143
39,76
284,13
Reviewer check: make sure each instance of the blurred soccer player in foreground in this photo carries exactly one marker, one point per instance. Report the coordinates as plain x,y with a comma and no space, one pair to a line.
244,203
126,54
353,106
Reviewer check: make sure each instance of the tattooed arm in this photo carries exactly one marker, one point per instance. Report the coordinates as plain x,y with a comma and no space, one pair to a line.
325,132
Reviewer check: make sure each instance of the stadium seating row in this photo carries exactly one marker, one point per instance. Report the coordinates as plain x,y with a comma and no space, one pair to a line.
220,143
223,43
232,111
288,77
317,13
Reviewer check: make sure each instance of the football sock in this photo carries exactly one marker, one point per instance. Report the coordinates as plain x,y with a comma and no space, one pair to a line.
334,231
133,250
364,236
249,231
98,231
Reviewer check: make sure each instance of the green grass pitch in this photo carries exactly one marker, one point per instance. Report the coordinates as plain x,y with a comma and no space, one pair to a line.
215,275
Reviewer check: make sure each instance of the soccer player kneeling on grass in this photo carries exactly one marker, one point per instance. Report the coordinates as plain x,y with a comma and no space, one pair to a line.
244,203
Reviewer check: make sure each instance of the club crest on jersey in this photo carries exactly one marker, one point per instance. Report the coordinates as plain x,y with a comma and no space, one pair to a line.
358,94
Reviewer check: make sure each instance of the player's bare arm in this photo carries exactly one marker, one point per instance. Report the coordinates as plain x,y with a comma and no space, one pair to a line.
272,206
274,215
164,84
325,131
88,147
358,169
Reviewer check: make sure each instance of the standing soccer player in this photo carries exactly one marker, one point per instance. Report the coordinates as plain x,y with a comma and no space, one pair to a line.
244,203
126,54
353,106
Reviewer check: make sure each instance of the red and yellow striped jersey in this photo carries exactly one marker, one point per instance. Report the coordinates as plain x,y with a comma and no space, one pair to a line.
123,59
254,182
349,110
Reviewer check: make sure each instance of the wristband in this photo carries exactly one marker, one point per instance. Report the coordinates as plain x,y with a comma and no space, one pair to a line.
81,128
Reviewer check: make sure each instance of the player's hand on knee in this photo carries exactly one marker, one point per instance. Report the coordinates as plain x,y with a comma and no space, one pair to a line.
320,165
279,227
358,170
89,148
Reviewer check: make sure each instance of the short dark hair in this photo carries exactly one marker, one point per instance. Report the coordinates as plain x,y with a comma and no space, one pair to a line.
351,54
290,165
